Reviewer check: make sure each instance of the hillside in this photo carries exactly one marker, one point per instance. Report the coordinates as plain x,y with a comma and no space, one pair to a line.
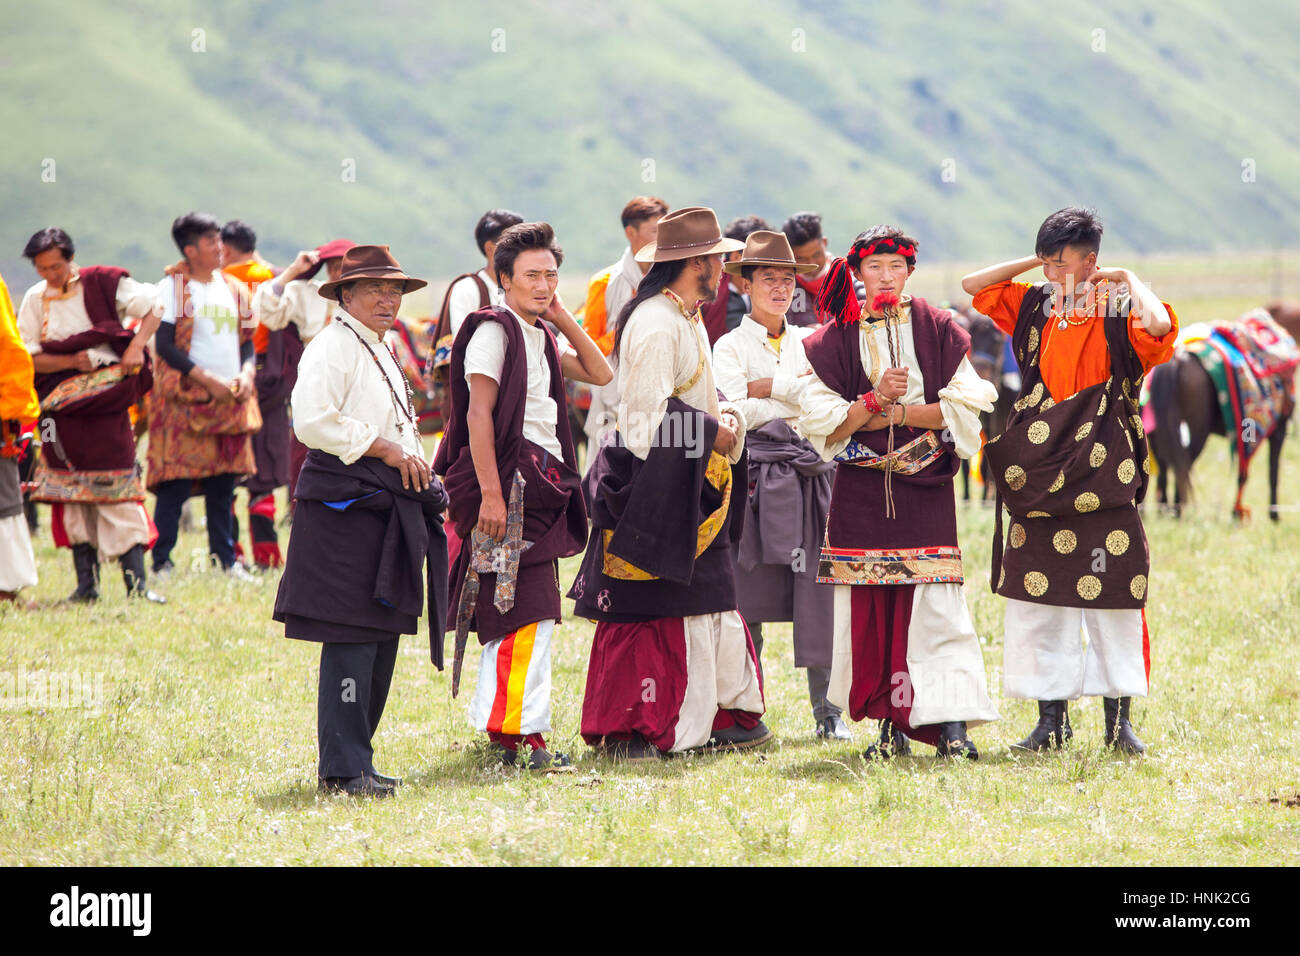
766,107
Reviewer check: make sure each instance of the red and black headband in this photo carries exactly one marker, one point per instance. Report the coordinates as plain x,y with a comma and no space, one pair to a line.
889,245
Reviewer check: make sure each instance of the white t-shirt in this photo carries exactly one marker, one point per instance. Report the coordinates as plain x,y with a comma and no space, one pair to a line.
215,343
465,299
486,355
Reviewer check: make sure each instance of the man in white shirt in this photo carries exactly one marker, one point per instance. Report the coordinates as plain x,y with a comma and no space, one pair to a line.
203,407
293,298
516,497
467,293
761,367
464,296
607,293
90,368
369,518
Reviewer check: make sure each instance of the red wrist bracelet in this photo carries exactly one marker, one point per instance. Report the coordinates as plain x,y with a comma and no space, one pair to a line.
870,402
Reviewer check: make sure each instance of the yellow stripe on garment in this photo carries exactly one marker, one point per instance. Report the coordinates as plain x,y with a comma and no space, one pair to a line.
519,660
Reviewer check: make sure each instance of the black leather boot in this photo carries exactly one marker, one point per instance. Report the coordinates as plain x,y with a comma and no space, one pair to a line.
133,574
1050,731
893,743
954,741
1119,732
86,562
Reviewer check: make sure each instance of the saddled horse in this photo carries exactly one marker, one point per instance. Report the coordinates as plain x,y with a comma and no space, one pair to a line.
1187,406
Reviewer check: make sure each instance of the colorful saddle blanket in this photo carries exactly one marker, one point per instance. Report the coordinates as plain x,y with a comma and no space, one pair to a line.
410,340
1252,363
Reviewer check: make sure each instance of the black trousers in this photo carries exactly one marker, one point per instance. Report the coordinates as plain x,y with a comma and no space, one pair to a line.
819,678
354,681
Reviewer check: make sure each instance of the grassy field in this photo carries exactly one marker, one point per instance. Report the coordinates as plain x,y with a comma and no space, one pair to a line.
201,748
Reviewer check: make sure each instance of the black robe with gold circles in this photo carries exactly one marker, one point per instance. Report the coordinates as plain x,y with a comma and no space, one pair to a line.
1070,475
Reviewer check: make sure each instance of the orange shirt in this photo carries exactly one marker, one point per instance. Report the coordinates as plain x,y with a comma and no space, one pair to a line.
595,322
252,274
1076,357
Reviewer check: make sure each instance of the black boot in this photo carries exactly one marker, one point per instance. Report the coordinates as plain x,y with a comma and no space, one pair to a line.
1068,731
86,562
133,574
954,741
1050,731
1119,732
893,743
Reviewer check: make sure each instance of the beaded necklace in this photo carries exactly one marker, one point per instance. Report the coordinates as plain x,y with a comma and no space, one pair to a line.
397,404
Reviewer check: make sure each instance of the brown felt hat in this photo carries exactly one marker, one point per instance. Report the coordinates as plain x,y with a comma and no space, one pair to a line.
764,248
692,231
369,262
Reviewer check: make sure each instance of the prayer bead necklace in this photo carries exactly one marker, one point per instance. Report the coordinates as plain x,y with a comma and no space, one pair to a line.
397,404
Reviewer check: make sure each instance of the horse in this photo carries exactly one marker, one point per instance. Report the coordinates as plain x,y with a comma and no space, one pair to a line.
1184,401
988,357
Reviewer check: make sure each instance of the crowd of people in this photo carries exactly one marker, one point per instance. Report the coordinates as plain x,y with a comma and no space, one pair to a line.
772,437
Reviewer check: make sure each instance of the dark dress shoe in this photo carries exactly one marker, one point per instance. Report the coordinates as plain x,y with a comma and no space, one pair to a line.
543,761
365,786
736,737
636,750
954,742
834,728
892,743
384,779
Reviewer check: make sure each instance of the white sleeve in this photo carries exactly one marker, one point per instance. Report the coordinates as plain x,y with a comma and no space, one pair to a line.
823,411
167,298
272,310
317,400
29,321
135,300
646,381
486,352
464,300
961,402
732,377
617,295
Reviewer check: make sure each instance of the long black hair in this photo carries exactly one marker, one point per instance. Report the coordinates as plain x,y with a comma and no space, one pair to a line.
660,277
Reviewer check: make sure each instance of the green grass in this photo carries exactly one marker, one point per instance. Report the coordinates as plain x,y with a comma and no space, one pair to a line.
204,751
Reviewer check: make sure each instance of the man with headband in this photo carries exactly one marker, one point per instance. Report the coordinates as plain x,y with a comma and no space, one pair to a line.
894,400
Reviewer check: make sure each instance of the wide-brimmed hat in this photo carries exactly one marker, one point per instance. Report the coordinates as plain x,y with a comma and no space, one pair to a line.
370,262
691,231
764,248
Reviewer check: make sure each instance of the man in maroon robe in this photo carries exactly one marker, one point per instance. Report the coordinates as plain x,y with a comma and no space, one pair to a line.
90,369
510,469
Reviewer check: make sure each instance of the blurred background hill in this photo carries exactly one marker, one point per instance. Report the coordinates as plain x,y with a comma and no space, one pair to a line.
400,122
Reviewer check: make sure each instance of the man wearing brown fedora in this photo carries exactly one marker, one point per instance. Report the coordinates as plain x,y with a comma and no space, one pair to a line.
368,522
516,495
761,366
672,666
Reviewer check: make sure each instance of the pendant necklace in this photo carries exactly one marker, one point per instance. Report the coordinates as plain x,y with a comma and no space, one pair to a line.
404,409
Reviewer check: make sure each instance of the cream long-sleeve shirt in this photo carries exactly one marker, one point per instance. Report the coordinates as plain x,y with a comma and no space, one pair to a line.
341,404
662,350
745,354
300,303
43,317
961,400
